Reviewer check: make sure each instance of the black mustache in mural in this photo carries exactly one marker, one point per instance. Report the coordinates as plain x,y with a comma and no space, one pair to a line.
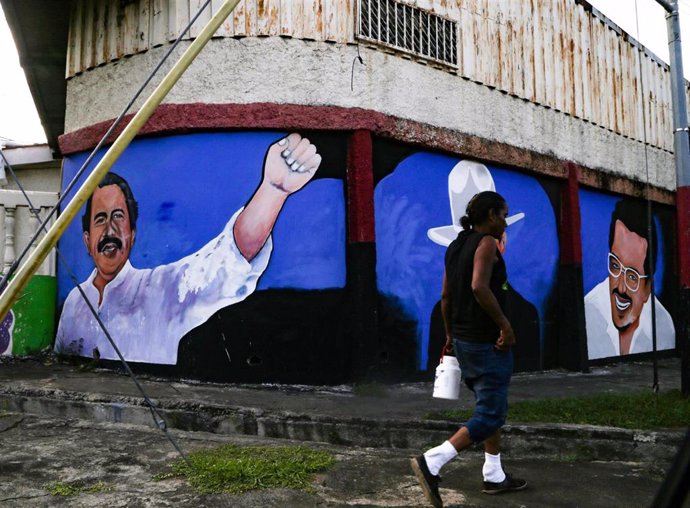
621,296
106,240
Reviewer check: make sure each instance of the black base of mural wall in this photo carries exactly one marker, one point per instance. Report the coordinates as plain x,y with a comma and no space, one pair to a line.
572,340
293,337
524,319
397,343
637,357
280,336
363,318
383,338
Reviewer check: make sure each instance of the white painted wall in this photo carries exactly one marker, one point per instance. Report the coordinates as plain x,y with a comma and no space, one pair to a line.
39,175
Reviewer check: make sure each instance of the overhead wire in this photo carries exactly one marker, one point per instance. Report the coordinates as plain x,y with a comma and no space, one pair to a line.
5,279
157,417
650,218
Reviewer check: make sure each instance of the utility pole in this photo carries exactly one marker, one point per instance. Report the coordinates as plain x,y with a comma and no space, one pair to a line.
681,150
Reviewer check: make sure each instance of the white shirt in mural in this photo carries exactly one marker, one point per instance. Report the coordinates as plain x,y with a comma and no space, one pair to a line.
602,335
148,311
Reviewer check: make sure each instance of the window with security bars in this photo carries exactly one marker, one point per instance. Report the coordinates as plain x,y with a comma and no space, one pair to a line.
409,29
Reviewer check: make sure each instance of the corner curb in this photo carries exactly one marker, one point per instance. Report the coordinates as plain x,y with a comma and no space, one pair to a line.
534,440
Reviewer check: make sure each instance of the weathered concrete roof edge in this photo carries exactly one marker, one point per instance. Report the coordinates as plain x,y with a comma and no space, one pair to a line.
40,29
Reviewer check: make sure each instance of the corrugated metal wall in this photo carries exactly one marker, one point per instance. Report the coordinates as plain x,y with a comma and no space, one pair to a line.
104,30
555,53
558,54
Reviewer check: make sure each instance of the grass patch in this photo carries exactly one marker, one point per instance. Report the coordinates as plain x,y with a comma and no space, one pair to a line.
369,389
233,469
66,489
639,410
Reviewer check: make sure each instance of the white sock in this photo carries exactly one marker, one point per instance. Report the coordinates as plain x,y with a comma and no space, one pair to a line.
437,457
492,470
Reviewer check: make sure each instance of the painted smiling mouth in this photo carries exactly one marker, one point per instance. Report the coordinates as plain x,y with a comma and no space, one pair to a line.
621,304
108,245
109,249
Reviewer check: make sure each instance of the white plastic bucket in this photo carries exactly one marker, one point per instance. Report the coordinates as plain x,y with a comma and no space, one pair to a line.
447,382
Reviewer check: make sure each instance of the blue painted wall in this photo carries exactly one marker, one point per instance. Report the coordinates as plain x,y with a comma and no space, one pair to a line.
595,213
414,198
188,187
604,340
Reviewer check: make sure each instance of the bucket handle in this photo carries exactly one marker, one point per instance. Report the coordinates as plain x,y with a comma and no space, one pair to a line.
444,349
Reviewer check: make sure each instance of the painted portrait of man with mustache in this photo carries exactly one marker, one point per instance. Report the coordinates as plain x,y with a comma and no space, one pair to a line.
109,229
148,310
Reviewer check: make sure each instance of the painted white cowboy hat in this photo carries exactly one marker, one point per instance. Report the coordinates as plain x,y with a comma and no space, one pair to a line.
466,179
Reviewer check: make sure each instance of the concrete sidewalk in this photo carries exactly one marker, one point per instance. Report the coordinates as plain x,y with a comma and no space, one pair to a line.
383,427
38,451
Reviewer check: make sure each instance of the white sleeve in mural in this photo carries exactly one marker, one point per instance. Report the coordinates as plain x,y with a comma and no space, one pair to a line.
148,311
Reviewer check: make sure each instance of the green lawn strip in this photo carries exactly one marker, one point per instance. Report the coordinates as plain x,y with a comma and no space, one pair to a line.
234,469
75,488
638,410
370,389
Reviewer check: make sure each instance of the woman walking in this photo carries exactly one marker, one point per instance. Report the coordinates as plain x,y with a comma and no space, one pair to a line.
477,330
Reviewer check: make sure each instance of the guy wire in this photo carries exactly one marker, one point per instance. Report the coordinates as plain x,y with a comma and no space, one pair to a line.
158,419
652,254
5,279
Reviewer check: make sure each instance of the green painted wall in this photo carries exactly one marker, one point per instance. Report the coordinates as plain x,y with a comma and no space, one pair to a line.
34,327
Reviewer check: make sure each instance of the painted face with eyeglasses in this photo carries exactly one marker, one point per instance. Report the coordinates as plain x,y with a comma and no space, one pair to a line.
628,283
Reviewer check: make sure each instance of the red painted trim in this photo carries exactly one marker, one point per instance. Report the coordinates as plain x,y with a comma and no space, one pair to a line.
683,221
182,118
571,245
360,188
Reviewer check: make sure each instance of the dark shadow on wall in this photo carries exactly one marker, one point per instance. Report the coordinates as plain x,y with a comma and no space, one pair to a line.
523,317
279,335
666,230
397,342
292,337
276,336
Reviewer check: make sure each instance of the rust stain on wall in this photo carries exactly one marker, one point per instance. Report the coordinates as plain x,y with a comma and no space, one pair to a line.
556,53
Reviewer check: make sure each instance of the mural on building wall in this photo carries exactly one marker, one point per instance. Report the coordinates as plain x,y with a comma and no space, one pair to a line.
618,263
187,225
6,328
414,227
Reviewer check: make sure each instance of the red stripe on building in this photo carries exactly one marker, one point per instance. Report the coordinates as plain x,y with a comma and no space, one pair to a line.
571,245
184,118
181,118
683,215
360,188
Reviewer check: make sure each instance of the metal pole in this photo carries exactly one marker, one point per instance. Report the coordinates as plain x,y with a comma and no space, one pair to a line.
33,262
681,149
669,7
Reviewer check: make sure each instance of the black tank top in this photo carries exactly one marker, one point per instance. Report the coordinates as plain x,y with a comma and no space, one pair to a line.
469,321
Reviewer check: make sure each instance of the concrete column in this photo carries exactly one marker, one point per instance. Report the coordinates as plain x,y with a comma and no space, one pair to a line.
683,321
9,238
572,343
35,218
50,264
361,256
681,152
